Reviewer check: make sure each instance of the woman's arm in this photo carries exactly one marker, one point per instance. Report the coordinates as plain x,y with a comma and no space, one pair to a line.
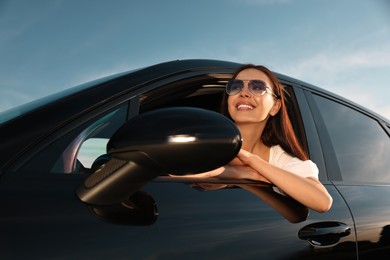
289,208
229,171
308,191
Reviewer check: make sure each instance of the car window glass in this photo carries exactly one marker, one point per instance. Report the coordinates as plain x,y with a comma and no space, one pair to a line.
360,144
69,152
91,143
91,149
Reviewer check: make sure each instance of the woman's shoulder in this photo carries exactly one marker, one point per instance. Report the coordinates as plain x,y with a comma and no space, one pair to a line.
278,155
280,158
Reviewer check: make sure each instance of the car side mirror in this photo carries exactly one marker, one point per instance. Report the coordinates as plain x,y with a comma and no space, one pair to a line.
177,140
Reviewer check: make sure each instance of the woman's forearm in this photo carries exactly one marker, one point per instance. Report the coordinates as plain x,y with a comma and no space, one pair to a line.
308,191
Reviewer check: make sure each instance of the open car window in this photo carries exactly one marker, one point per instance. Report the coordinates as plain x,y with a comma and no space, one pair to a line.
200,92
83,148
208,94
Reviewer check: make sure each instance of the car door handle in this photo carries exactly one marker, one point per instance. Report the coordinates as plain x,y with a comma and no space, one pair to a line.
324,234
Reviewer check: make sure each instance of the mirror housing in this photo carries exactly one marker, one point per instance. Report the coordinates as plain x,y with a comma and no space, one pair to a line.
181,140
138,210
177,140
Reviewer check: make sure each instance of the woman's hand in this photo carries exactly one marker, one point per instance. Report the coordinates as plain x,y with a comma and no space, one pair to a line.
236,162
238,168
244,157
209,174
246,170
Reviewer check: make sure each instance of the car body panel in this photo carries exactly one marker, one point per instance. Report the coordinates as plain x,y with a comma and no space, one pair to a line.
42,216
214,223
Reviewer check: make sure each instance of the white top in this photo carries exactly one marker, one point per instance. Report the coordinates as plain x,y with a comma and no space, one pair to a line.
282,159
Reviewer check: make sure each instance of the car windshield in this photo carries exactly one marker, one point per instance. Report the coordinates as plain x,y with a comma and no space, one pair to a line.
25,108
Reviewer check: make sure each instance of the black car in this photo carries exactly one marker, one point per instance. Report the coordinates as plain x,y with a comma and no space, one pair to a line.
84,174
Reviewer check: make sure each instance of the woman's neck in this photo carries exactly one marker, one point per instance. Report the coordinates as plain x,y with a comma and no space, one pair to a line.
251,136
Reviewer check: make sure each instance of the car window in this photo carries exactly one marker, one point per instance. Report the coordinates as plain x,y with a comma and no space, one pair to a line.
91,149
207,94
92,142
80,150
199,92
360,143
75,151
193,94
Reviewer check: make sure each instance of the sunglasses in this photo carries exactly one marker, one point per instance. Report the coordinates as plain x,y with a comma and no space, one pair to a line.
255,86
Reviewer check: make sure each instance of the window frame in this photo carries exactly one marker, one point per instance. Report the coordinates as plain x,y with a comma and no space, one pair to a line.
312,136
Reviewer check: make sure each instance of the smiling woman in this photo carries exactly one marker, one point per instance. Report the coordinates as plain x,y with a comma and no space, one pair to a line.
270,150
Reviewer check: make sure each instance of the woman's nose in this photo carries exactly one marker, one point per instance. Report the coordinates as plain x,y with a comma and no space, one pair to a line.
245,91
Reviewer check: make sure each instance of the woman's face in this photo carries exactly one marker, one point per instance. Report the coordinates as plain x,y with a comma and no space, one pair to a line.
246,107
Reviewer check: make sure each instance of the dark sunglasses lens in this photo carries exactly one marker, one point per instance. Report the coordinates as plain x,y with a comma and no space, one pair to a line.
257,87
234,87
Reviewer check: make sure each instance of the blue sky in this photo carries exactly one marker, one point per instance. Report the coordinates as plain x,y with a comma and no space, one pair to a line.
340,45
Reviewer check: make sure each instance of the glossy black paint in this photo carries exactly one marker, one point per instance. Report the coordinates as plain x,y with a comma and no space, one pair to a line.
225,223
42,216
165,134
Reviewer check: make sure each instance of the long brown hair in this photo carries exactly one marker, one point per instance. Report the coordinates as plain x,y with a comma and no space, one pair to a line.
278,130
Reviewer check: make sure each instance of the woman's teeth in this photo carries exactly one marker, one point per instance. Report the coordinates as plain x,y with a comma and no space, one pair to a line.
242,106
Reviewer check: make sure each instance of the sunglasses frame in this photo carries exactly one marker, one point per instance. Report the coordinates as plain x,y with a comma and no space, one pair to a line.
249,88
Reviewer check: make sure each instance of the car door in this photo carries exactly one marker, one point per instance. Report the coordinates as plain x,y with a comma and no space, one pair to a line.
358,147
173,217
